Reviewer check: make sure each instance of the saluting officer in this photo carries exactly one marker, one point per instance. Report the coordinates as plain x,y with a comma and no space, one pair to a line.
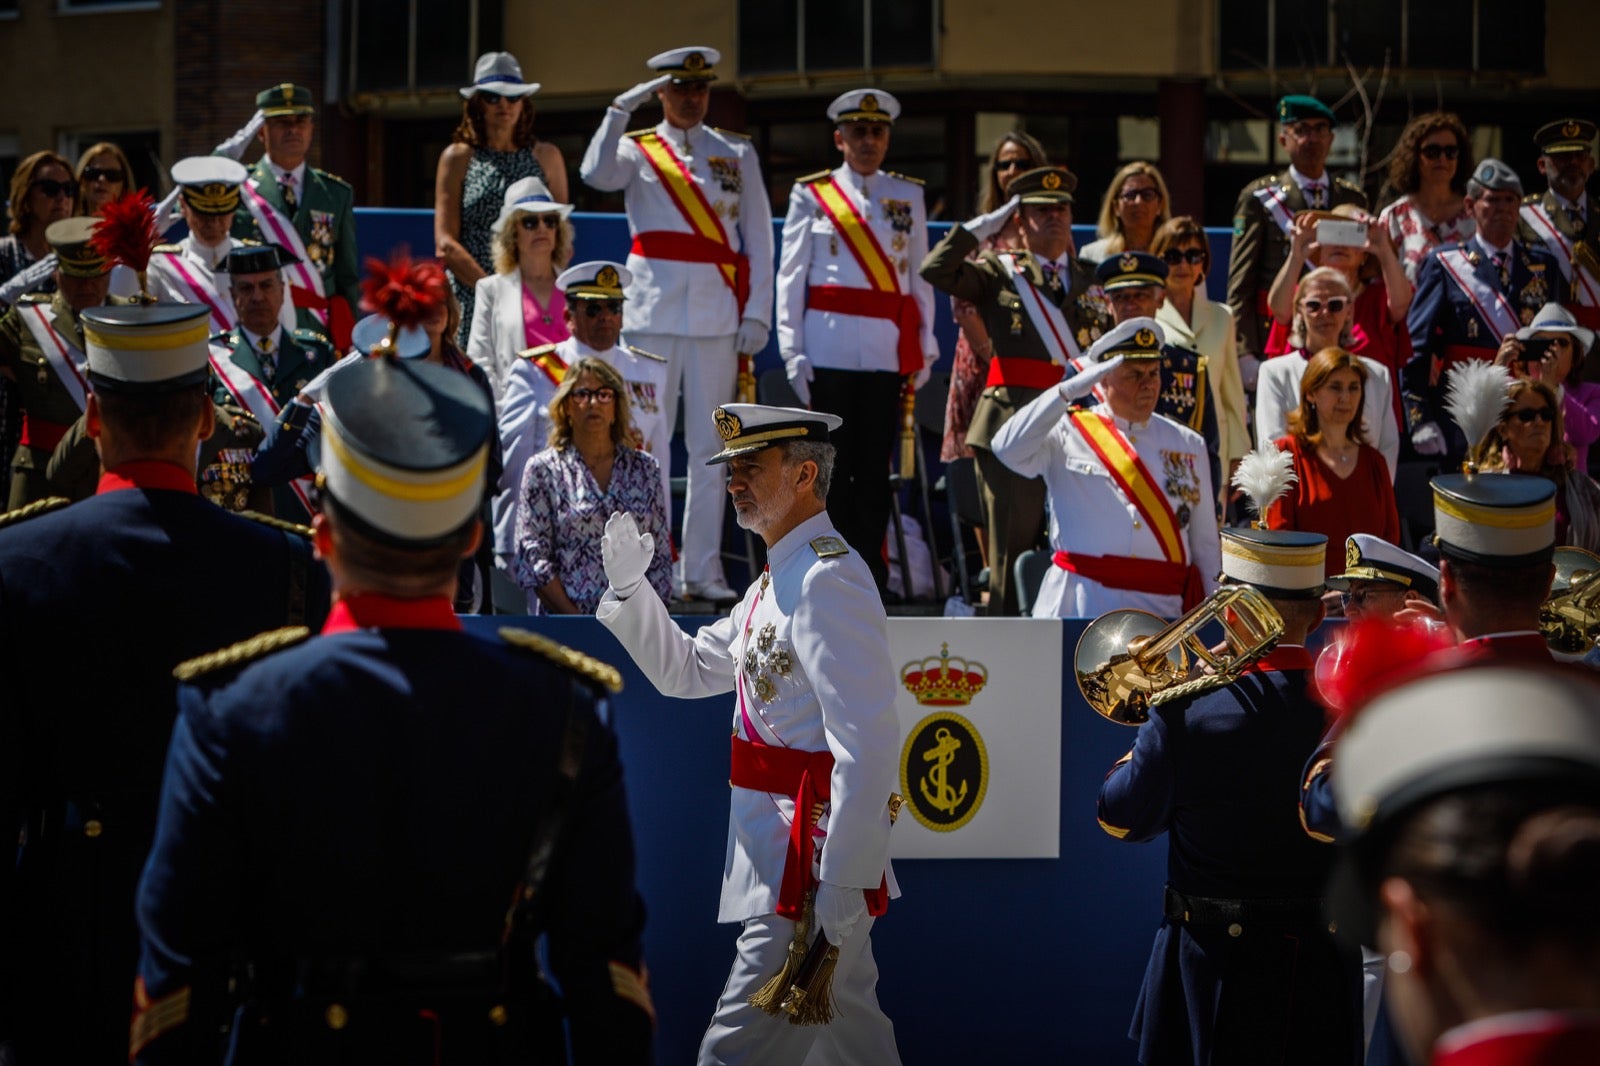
345,816
1244,968
854,318
815,738
142,562
702,268
1263,219
1563,219
1040,314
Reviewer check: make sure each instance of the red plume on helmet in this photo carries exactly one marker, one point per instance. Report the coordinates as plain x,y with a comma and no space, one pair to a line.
126,232
403,290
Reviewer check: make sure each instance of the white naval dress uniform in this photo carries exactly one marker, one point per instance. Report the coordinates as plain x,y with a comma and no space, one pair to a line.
1278,393
170,262
525,421
1090,514
832,688
686,312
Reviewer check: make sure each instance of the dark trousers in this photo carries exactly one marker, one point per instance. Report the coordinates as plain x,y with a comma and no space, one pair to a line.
1016,524
858,501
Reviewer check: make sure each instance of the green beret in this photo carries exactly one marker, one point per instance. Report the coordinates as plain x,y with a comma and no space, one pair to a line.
1299,108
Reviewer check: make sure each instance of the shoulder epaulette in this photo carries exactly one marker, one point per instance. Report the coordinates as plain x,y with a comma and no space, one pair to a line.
36,297
247,242
905,177
534,353
1533,198
312,336
1267,179
636,134
647,355
277,523
167,249
336,179
603,674
33,510
809,178
732,133
246,651
827,547
1348,184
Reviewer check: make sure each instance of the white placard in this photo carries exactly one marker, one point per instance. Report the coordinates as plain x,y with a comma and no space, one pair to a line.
980,721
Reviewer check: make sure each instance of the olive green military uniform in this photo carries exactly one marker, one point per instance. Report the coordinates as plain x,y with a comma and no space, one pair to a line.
47,405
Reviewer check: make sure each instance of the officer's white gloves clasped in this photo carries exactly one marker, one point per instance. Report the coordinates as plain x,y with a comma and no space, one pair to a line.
838,910
985,226
797,365
1083,382
1428,439
235,146
752,337
639,94
625,553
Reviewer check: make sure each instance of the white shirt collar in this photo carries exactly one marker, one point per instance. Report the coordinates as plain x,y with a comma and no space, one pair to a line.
1582,203
298,173
1304,182
677,135
801,534
255,338
577,350
1486,246
1122,423
214,259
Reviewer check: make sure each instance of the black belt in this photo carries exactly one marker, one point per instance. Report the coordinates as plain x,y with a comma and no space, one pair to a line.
1203,910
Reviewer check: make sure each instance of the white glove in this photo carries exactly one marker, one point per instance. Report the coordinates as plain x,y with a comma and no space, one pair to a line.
639,94
752,337
166,212
798,366
985,226
234,146
1249,371
27,280
1428,439
838,909
1083,382
625,553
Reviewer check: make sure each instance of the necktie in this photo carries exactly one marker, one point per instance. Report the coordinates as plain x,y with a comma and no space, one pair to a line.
1052,276
1575,216
269,360
290,200
1316,195
1504,268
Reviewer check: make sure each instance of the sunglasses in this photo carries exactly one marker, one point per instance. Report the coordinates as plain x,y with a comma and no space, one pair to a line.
1133,196
1014,164
548,219
593,395
1435,151
595,308
1528,414
102,174
52,188
1192,256
1360,597
1314,306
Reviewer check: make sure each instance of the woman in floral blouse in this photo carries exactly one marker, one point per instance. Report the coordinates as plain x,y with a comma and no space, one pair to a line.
571,488
1429,170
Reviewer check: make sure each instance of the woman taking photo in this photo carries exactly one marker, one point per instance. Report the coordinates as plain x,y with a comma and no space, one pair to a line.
1429,170
519,307
493,147
569,490
1136,204
1557,349
1527,440
1342,485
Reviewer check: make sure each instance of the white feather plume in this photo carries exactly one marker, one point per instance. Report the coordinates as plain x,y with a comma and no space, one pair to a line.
1475,396
1264,475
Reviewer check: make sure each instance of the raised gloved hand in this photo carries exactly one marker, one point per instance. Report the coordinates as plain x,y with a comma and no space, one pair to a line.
234,146
798,366
625,553
1249,371
1428,439
639,94
985,226
752,337
27,280
838,910
1083,382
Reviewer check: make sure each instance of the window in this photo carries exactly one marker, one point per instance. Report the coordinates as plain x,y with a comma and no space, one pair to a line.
418,44
1446,35
809,36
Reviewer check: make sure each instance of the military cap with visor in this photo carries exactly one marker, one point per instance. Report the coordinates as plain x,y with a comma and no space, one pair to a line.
1565,135
254,257
1130,270
694,63
1044,185
210,184
749,427
285,99
1497,520
1137,338
864,105
1370,558
598,279
69,239
146,348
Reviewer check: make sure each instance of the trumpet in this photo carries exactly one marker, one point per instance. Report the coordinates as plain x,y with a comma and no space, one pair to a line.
1570,618
1129,661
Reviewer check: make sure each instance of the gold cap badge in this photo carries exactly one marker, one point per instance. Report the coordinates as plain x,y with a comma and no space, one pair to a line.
728,424
694,61
607,278
1352,555
1051,181
1128,263
1571,129
1145,338
869,102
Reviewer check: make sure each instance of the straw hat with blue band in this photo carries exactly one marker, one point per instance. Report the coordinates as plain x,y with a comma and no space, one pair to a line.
529,196
1504,520
750,427
499,73
694,63
404,450
75,257
146,347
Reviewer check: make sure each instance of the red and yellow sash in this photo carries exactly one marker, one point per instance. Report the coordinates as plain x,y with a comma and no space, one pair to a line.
884,299
551,365
1130,475
692,204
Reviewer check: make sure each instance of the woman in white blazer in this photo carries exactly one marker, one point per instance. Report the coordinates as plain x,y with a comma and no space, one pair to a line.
519,307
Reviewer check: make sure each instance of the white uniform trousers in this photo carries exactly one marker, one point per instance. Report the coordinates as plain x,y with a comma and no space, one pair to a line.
859,1035
707,369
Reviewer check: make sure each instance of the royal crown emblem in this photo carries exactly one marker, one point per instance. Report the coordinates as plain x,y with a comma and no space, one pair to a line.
1128,263
1051,181
728,424
1352,555
939,681
1145,338
694,61
869,102
607,278
1571,129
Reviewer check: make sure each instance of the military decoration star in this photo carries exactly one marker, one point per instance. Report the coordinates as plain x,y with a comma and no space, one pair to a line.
768,634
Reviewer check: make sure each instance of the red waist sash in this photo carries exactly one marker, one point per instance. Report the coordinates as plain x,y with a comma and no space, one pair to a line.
1024,373
693,248
41,434
806,777
897,307
1157,577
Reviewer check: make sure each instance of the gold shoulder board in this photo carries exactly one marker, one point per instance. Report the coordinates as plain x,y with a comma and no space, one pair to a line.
534,353
246,651
828,547
277,523
636,134
732,133
809,178
586,666
36,297
336,179
647,355
33,510
167,249
905,177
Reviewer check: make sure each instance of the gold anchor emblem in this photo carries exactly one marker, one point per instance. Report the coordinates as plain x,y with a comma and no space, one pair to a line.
1352,554
942,796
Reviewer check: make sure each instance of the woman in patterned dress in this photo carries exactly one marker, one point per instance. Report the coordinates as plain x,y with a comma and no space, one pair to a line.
1429,170
493,147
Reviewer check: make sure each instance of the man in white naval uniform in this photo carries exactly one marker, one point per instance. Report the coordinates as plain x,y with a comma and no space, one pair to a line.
806,655
855,319
195,269
594,292
1132,521
702,269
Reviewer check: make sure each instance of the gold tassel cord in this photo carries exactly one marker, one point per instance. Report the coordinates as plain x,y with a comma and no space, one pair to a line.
908,430
810,1001
771,996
